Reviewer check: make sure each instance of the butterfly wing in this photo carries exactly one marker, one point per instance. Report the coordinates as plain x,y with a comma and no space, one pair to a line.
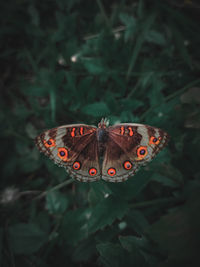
73,147
113,164
129,147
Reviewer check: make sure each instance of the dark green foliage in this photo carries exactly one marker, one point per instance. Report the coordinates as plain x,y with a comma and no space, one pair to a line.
26,238
77,61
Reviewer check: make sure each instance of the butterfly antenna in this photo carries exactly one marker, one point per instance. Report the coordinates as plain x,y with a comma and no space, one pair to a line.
106,121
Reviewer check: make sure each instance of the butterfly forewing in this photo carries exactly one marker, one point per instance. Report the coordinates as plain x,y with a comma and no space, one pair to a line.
134,137
65,145
129,147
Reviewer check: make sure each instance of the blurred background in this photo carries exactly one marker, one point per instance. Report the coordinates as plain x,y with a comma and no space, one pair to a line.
75,61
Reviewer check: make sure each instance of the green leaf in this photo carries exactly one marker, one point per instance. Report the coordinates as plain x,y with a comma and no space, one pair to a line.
33,12
94,66
139,42
177,233
31,130
112,255
131,104
179,42
28,162
141,9
84,250
156,38
53,104
146,79
127,116
36,90
167,172
133,186
156,95
26,238
98,191
56,202
130,23
140,250
106,212
164,180
132,243
137,221
97,109
75,225
83,87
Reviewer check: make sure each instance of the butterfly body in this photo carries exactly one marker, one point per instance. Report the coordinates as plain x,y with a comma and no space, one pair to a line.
112,153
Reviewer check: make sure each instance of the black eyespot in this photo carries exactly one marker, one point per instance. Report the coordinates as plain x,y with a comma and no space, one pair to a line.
76,166
142,152
49,142
155,140
62,153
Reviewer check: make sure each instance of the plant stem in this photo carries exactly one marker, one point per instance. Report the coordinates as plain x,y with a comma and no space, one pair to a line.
43,194
103,12
158,201
169,97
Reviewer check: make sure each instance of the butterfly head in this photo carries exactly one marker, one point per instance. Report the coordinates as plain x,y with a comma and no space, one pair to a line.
104,123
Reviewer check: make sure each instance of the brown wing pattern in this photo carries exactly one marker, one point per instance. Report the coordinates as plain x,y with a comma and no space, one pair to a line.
131,146
88,160
67,144
115,158
124,148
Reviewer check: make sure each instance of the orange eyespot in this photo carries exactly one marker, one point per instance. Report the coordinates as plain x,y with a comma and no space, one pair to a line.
154,140
92,171
49,143
63,153
127,165
111,171
142,152
76,165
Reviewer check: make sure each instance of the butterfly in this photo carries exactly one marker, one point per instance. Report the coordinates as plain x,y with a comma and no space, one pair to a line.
112,153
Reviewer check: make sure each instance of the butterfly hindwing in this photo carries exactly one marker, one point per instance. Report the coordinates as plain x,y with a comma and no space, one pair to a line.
117,166
86,165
